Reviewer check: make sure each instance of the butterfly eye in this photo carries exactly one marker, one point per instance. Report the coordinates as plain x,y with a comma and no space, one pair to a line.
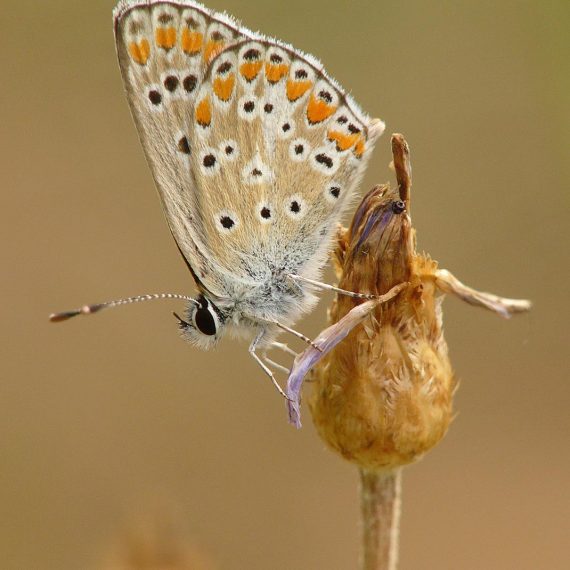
398,206
205,319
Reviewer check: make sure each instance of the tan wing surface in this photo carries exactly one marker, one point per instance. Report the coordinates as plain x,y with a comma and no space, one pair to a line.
253,148
280,147
164,49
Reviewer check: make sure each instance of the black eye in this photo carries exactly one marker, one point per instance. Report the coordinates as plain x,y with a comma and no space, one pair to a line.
204,319
398,207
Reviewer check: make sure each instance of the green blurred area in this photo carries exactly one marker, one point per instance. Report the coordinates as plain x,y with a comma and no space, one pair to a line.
103,418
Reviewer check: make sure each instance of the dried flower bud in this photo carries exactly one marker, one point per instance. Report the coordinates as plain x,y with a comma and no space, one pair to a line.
383,397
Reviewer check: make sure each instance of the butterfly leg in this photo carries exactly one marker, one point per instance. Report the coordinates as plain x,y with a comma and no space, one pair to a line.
282,346
333,288
264,367
275,365
297,334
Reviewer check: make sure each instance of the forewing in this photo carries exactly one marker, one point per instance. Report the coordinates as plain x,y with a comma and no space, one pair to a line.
164,49
279,148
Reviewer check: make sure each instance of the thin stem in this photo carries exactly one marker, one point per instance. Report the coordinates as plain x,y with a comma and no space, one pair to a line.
380,505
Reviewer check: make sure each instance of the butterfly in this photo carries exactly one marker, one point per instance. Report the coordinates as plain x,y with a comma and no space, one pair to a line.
254,151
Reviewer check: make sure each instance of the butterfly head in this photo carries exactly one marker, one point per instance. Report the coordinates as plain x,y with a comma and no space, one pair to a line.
204,323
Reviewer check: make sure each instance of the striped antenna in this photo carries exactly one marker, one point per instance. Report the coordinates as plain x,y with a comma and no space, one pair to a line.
90,309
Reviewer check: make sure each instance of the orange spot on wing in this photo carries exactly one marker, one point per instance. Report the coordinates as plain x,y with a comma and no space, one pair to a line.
165,37
191,41
274,72
212,49
343,142
296,89
360,146
223,87
250,69
140,52
318,110
204,112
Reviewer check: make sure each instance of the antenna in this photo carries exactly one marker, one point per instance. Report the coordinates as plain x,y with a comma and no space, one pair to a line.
90,309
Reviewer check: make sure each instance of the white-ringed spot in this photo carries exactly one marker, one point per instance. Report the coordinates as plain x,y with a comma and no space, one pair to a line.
226,221
189,83
332,192
247,107
155,97
265,212
209,163
256,172
324,161
287,129
171,83
299,149
229,150
295,207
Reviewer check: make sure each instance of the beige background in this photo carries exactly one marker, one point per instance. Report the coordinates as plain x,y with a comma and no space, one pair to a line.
103,419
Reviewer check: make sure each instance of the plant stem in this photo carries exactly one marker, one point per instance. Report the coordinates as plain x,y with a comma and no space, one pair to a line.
380,504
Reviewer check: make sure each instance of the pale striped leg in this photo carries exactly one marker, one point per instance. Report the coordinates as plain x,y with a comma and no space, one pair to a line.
296,333
275,365
282,346
333,288
259,361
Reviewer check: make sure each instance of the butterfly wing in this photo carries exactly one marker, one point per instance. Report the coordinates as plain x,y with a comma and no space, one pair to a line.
254,150
164,49
280,147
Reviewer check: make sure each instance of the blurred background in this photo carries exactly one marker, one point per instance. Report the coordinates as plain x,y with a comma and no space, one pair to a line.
113,423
